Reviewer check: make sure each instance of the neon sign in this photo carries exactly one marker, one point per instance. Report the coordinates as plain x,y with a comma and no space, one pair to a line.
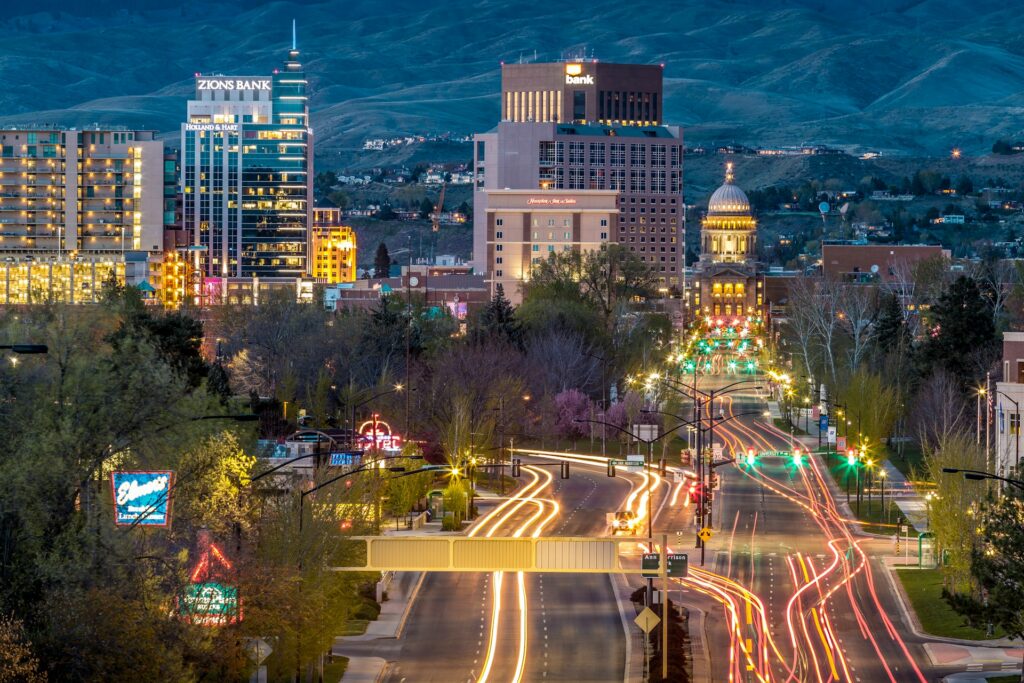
206,602
377,434
551,201
142,498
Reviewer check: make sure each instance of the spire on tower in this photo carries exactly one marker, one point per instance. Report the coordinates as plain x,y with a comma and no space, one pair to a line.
728,172
293,35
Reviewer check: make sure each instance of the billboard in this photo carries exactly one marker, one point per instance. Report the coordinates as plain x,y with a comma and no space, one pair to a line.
142,498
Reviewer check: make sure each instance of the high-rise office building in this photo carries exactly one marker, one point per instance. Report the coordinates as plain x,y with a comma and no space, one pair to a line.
77,207
586,91
247,167
601,134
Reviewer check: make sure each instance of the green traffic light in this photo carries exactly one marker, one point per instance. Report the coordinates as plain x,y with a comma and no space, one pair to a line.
851,460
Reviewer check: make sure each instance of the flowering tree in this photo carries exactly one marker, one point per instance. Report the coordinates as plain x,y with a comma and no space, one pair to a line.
572,405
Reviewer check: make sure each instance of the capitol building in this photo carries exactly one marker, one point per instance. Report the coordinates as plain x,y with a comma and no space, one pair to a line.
726,280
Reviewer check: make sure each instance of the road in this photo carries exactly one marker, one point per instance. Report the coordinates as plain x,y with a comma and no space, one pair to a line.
790,591
461,628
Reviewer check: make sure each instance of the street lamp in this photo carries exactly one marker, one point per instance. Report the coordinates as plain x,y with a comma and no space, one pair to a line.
978,475
28,349
356,406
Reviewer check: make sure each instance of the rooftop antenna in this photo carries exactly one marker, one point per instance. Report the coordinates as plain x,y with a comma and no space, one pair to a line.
293,35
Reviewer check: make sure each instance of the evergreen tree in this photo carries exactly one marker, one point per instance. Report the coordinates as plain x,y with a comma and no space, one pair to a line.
891,332
382,261
218,384
498,320
426,208
962,331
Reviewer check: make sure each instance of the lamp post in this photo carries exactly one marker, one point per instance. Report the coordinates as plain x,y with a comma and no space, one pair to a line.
356,406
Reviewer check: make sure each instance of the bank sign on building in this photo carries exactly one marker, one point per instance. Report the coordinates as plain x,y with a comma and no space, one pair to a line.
142,498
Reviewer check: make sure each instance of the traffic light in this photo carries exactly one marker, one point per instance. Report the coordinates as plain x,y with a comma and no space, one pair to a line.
516,466
797,457
565,470
713,480
611,469
851,457
751,457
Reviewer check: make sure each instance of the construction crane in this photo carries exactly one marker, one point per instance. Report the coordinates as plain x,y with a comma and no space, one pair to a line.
435,218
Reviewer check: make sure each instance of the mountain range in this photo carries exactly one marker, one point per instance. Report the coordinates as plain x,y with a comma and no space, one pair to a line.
914,77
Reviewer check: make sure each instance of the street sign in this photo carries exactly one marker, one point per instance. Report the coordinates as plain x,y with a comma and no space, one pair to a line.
645,433
840,443
716,450
258,650
635,462
677,476
678,564
822,423
903,528
831,434
705,534
647,620
649,564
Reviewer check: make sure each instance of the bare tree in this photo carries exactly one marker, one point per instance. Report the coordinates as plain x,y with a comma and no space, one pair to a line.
800,317
561,360
858,308
939,410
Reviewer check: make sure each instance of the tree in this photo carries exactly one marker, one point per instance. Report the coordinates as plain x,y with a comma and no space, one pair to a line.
997,568
962,338
323,183
426,208
466,210
891,333
498,319
572,405
956,500
381,261
218,383
1002,147
858,309
17,663
872,407
964,186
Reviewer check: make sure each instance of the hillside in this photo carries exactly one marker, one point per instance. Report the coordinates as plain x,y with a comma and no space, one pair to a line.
909,77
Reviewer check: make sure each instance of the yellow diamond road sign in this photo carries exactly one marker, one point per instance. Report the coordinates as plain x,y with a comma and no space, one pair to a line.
647,620
705,534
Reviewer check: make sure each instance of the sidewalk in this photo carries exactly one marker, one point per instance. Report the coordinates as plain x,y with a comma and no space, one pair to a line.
369,653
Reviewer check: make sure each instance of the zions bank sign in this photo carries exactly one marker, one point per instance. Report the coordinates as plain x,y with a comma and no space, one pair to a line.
574,75
232,84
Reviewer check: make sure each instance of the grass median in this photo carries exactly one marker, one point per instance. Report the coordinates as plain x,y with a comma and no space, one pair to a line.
924,589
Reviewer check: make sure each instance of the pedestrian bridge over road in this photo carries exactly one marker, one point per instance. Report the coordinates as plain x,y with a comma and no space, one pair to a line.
461,554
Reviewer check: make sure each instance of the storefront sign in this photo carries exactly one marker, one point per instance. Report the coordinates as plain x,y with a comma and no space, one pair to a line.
142,498
209,604
376,434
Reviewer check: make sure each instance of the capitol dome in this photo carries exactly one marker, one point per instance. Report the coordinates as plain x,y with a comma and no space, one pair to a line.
728,199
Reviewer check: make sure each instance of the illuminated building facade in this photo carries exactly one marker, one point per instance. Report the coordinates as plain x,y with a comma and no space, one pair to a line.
246,169
525,226
77,207
585,91
726,281
332,248
641,166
